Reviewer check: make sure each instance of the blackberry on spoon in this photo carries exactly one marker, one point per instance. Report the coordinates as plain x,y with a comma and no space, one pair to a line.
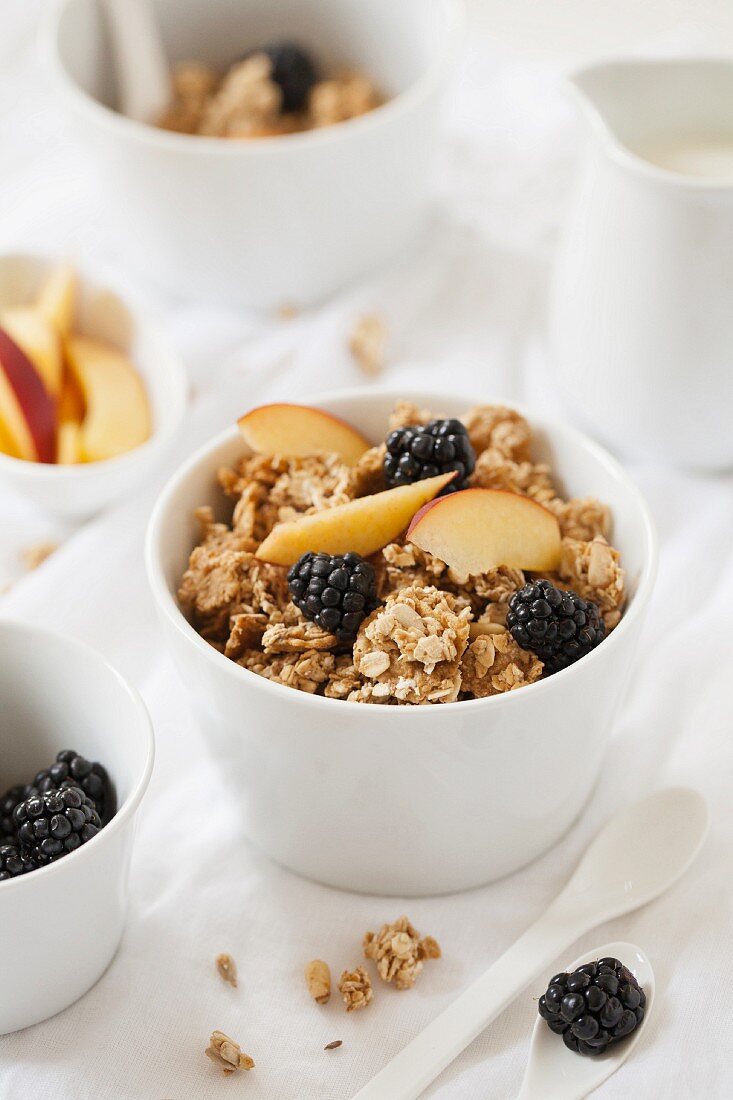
593,1007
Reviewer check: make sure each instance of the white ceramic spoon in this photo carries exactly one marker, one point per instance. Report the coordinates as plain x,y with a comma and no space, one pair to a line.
638,855
553,1071
141,67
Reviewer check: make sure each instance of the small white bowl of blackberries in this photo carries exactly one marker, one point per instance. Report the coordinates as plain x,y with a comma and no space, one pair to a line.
76,760
58,810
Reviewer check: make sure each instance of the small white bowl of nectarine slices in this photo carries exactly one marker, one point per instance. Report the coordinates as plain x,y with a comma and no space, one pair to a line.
89,392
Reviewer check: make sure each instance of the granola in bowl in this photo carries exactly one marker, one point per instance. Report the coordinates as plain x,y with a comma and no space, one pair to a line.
273,90
442,564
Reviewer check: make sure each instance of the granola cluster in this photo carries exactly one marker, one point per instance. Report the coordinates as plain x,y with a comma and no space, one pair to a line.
227,1054
247,103
399,952
356,989
436,636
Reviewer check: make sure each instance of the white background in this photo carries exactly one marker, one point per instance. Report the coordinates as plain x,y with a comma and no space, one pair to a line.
467,306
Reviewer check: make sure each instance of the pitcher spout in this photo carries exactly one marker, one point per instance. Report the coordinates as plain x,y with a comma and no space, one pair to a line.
598,91
674,114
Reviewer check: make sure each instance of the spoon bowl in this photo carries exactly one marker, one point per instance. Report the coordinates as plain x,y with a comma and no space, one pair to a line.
556,1073
638,855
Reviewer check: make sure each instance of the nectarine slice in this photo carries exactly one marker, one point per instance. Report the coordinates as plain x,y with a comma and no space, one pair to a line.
295,430
40,341
27,410
57,299
117,415
68,452
7,442
476,530
71,401
364,525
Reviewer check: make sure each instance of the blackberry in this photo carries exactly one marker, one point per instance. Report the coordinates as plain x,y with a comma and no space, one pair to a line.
416,453
595,1006
293,70
557,625
51,824
12,863
337,593
72,770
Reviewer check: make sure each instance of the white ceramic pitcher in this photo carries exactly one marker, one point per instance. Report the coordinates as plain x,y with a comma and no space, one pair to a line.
641,310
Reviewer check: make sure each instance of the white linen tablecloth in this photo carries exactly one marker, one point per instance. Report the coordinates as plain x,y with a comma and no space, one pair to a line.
465,306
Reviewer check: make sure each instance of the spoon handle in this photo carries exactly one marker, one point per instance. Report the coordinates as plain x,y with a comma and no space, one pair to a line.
447,1035
143,77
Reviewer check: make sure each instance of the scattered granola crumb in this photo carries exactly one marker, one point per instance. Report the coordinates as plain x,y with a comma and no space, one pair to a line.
356,988
399,952
226,1053
227,969
318,980
368,343
429,948
35,555
336,1043
287,310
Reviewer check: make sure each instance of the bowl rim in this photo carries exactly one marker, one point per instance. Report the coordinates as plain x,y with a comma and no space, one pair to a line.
127,810
196,144
172,364
168,607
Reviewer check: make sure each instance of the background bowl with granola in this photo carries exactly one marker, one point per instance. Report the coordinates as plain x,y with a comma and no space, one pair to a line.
323,195
421,798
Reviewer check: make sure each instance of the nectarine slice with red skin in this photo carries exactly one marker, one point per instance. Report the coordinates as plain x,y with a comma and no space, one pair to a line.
27,409
39,339
297,430
476,530
363,526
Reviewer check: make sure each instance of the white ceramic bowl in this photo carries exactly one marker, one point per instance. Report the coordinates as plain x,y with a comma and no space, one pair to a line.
79,491
407,800
282,219
61,924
